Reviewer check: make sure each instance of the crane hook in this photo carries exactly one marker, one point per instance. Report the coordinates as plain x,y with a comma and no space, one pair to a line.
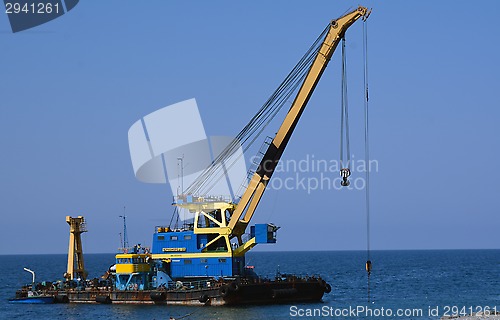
345,173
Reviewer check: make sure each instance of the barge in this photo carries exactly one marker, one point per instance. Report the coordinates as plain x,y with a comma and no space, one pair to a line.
144,276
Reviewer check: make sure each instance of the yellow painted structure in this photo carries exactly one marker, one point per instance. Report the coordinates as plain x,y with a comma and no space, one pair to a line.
131,262
239,214
257,185
76,268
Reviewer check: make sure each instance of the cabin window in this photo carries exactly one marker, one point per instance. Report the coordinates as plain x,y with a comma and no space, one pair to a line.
222,260
174,238
123,261
187,237
187,261
161,238
203,260
123,278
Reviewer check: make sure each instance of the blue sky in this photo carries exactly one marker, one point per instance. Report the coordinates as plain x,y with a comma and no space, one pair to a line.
71,88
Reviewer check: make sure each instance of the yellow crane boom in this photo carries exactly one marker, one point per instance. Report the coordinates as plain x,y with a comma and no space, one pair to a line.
245,209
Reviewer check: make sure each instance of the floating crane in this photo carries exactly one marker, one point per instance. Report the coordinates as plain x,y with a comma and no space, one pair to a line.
204,262
245,209
216,236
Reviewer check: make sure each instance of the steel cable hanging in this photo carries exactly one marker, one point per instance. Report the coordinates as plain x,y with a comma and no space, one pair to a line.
269,110
367,156
259,121
218,177
345,162
281,102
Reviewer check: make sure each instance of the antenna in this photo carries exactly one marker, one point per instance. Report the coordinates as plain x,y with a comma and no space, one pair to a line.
180,175
180,179
125,237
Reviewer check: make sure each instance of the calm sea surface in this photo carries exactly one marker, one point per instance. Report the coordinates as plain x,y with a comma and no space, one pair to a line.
430,281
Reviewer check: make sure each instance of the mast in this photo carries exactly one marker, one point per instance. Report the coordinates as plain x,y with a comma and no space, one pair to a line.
125,236
76,267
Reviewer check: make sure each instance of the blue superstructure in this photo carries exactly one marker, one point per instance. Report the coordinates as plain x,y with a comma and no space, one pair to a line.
182,255
165,240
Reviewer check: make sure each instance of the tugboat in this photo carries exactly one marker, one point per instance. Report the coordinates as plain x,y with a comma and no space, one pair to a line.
203,262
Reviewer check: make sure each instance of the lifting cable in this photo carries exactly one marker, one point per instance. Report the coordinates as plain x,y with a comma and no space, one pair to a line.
367,156
345,163
175,214
247,136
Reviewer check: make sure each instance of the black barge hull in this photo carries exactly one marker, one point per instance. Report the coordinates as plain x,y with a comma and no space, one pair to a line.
228,293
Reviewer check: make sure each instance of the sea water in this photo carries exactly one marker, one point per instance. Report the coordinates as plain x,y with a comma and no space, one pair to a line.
403,284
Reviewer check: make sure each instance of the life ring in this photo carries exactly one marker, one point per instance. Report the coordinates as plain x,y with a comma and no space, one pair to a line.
328,288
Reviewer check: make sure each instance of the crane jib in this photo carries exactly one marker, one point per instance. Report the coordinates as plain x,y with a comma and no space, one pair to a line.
256,187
